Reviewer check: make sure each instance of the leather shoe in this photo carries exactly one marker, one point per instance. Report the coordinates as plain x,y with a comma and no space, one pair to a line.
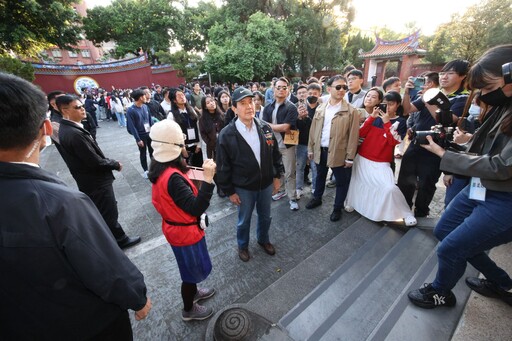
268,247
314,202
336,215
128,241
244,255
489,289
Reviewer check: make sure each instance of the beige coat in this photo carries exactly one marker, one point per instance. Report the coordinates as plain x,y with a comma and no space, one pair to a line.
344,135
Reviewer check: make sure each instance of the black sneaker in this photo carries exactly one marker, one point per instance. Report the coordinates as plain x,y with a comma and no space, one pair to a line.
427,297
489,289
335,215
314,203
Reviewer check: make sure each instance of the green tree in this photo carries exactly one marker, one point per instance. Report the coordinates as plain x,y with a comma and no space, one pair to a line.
16,67
194,35
188,65
133,24
27,26
468,35
245,51
356,43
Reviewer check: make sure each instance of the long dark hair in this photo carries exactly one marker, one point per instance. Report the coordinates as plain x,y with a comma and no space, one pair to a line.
175,110
206,119
486,68
157,168
379,93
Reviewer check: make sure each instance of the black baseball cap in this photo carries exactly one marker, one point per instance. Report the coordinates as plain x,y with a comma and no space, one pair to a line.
240,93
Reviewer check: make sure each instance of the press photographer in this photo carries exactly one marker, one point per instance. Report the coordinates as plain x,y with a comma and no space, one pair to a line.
479,217
417,163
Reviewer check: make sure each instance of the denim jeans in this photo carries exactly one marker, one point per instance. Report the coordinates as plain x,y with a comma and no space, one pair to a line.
302,158
342,175
457,185
466,230
262,200
121,119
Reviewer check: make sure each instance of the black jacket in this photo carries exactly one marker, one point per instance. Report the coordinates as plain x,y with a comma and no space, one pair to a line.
287,113
84,158
156,110
63,275
236,164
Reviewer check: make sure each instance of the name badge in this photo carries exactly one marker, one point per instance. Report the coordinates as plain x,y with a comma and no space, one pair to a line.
476,190
147,127
191,134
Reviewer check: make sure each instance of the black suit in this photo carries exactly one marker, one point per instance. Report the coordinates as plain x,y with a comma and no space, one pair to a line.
92,171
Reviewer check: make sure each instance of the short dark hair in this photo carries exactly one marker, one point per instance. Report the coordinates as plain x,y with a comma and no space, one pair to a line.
22,112
137,94
65,100
388,82
314,86
394,96
433,77
357,73
301,87
348,68
460,66
283,79
335,78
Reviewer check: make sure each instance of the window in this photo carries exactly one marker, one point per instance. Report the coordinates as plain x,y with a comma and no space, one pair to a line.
56,53
86,53
72,54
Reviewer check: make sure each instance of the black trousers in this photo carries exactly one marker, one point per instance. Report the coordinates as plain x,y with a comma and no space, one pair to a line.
142,151
421,167
105,200
119,330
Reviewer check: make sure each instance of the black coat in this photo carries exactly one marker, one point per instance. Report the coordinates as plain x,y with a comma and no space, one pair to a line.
84,158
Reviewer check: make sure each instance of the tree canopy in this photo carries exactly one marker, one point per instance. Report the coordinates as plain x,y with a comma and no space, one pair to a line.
27,26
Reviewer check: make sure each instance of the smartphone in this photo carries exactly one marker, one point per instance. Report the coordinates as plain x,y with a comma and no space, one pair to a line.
383,107
419,82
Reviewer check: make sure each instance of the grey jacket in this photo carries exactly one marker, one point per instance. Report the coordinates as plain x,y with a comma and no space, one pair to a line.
488,156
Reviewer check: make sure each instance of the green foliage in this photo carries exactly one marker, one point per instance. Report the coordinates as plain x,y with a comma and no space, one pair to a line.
355,44
132,24
16,67
193,36
27,26
188,65
470,34
245,51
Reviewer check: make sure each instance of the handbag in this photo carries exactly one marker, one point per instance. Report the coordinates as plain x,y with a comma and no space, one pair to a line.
291,137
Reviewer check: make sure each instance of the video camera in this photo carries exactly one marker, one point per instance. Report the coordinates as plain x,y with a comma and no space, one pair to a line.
442,133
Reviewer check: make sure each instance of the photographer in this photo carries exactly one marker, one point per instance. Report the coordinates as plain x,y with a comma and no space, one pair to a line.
419,168
479,217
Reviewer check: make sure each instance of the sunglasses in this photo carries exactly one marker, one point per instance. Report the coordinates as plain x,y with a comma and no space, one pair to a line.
78,107
341,86
281,87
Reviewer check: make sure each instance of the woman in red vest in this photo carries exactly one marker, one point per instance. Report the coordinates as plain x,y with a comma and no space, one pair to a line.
181,206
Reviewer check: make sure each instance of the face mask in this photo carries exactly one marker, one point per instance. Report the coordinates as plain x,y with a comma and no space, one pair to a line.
312,99
494,98
474,110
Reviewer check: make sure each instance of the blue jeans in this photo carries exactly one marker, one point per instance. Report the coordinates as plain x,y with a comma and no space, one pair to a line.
262,200
302,158
457,185
466,230
121,119
342,176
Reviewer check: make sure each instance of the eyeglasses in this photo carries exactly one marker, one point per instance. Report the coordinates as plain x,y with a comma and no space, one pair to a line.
281,88
341,86
351,79
449,73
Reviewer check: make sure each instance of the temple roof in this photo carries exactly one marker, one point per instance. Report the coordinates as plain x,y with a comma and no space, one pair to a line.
394,48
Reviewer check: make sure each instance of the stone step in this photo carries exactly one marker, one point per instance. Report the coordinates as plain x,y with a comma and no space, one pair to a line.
359,294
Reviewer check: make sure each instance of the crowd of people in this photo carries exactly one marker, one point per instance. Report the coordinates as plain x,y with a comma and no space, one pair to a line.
255,144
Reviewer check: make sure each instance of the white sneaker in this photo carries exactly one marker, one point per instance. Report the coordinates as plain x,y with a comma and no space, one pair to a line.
294,206
278,196
300,194
410,221
349,209
145,174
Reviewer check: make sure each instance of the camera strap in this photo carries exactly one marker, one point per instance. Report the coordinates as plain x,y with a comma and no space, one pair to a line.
465,112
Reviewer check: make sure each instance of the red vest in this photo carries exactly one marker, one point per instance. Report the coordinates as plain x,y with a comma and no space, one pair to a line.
186,230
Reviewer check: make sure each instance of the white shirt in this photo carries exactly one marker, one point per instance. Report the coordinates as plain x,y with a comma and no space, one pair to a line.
251,137
278,136
330,110
167,109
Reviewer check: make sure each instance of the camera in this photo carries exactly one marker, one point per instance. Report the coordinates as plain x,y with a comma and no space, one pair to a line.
383,107
442,133
418,83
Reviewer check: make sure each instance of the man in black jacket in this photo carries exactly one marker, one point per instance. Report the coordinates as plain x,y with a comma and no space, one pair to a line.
63,276
248,164
91,170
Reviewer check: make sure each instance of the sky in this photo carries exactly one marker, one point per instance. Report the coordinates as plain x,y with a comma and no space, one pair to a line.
392,13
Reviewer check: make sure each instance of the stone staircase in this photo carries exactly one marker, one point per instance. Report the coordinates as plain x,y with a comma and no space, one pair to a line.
364,298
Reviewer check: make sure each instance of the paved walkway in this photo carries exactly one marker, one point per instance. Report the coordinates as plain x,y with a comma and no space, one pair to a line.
296,236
